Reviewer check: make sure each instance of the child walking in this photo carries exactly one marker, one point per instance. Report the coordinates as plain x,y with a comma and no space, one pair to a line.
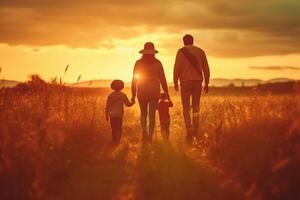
114,109
163,109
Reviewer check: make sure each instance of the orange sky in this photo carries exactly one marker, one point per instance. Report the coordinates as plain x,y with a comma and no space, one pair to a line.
101,39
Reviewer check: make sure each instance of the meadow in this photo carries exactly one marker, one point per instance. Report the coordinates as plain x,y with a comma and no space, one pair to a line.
56,144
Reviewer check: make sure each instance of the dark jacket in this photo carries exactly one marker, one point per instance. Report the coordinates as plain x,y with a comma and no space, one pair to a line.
115,104
163,110
148,75
183,69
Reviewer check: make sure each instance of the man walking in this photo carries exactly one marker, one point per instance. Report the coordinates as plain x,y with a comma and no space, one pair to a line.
191,68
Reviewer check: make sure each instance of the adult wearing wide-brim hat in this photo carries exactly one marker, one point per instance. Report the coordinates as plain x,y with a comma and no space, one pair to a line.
148,76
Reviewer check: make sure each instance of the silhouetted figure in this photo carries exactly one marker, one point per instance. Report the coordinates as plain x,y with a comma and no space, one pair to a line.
114,109
164,117
191,68
148,75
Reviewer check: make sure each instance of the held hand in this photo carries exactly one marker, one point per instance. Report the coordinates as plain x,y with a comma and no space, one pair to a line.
176,86
206,89
168,96
170,102
133,100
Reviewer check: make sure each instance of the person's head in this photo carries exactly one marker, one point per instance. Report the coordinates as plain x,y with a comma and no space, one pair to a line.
188,39
117,85
164,96
149,50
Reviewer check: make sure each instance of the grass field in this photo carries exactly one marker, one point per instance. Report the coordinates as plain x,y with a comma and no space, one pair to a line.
56,144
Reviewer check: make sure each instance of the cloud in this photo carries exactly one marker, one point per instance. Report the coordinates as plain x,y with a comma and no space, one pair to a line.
236,29
275,68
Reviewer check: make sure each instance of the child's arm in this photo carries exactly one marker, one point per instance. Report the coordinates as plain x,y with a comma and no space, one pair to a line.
170,102
127,102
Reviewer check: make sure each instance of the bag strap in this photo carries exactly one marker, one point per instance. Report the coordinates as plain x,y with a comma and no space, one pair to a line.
193,61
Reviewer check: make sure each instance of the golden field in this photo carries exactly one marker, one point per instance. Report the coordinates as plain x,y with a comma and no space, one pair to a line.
56,144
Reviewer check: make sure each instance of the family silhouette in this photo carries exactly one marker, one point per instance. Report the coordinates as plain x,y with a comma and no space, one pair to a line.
191,69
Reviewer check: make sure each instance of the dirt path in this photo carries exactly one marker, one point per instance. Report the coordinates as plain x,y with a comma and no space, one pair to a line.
150,172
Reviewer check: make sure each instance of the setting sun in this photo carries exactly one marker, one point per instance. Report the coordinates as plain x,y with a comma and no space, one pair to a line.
43,37
137,76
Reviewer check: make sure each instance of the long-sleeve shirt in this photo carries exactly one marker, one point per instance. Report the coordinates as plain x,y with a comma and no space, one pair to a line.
163,110
183,69
147,78
115,104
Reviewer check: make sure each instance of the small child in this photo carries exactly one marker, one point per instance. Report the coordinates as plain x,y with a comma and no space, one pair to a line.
114,109
163,109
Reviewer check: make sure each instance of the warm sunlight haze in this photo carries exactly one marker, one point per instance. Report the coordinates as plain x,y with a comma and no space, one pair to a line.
149,100
100,43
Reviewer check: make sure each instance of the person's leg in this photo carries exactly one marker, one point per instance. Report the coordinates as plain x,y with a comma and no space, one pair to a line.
168,129
144,111
152,111
165,129
113,128
196,94
185,100
119,124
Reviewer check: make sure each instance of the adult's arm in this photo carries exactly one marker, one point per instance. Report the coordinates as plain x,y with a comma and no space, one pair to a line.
177,68
107,107
163,80
134,80
170,103
205,69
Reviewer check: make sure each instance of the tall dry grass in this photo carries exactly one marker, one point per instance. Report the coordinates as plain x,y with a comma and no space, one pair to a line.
49,133
259,144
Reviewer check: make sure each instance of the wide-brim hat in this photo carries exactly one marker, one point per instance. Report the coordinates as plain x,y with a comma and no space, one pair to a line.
117,85
148,49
